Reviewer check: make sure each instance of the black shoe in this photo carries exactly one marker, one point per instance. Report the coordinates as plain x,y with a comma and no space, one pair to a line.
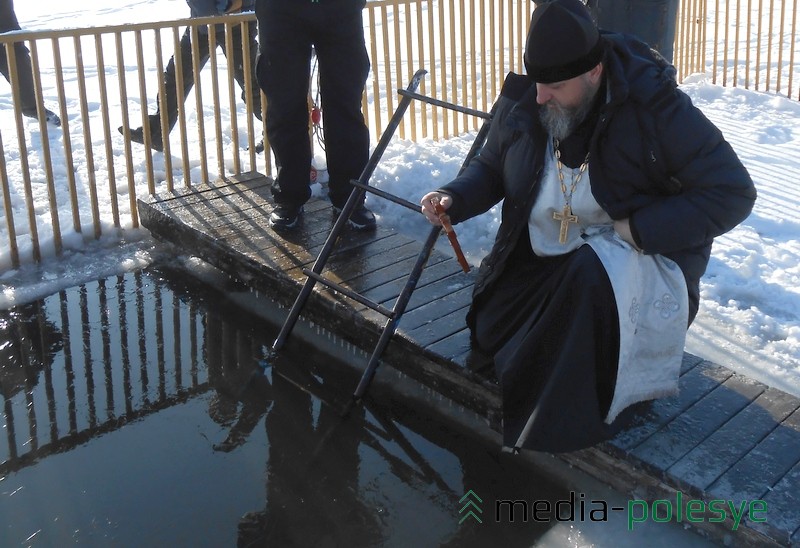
361,218
285,217
52,118
49,116
137,136
259,148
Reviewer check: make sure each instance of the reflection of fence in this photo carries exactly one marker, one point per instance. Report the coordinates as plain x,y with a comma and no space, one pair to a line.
82,180
86,362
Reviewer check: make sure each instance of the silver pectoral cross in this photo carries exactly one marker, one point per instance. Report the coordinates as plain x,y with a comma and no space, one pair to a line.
565,217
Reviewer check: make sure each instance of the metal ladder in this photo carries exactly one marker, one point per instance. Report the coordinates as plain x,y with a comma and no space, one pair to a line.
361,187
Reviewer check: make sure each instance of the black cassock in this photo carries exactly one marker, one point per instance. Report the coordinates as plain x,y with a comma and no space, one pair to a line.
551,324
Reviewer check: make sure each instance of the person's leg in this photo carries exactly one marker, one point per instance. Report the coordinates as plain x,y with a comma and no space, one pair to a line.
553,328
27,91
27,94
8,22
169,100
343,68
283,74
8,19
238,64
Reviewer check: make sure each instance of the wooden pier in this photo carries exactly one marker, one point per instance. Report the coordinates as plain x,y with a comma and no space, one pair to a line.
723,438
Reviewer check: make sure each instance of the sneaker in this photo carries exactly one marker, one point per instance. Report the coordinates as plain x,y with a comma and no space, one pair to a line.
285,217
49,116
360,219
137,136
52,118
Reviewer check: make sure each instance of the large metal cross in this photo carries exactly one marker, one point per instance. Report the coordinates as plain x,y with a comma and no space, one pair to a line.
565,217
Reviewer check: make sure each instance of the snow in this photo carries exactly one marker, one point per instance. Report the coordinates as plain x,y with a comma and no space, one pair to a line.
749,317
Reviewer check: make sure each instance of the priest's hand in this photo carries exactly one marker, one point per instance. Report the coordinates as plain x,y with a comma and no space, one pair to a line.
623,228
428,208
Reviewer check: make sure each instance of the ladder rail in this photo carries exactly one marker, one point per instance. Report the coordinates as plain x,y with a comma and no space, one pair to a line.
349,293
341,222
400,305
360,188
411,283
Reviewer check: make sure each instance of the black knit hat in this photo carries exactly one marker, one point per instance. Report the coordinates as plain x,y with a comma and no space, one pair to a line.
563,42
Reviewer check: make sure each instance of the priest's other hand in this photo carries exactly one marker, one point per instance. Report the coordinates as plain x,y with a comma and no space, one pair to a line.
623,228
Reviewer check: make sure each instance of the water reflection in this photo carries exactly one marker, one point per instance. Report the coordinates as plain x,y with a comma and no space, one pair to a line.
87,360
127,358
136,413
29,343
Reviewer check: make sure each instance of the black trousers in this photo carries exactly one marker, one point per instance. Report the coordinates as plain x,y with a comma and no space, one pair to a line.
287,33
170,99
551,324
27,94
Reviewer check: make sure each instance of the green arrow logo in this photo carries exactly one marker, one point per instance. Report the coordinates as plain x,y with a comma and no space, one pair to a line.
470,507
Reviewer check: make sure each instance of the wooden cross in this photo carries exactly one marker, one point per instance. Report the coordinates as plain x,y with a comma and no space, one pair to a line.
565,217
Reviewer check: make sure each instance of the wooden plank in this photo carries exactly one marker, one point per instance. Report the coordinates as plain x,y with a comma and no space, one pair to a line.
250,181
301,250
698,422
440,288
375,255
233,223
621,475
783,508
754,475
443,326
689,362
693,385
712,458
370,269
430,314
453,345
386,292
375,269
439,266
230,194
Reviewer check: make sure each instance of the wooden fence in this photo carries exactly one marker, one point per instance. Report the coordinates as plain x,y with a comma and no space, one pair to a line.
62,186
753,44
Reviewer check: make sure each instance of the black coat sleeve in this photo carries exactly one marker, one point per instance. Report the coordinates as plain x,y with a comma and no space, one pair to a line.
480,185
715,190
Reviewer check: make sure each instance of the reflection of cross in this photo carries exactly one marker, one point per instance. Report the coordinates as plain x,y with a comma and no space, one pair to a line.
565,217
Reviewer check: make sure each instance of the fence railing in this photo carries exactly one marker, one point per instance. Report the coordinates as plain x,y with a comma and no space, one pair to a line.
754,44
61,186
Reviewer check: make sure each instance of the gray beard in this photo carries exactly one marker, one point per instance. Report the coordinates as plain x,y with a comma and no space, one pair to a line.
560,122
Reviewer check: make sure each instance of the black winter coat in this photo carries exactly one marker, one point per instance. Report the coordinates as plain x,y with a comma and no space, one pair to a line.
655,158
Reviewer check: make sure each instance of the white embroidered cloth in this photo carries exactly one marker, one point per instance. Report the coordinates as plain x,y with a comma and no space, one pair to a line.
652,303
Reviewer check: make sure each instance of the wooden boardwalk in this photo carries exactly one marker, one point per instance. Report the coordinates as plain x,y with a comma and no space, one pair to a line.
724,437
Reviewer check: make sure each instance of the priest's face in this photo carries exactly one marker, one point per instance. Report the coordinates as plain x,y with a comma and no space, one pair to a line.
566,104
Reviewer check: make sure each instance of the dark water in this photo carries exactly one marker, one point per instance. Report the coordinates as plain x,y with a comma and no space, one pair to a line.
137,412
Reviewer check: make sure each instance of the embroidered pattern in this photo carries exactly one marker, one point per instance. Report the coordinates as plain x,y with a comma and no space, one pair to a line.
666,306
633,312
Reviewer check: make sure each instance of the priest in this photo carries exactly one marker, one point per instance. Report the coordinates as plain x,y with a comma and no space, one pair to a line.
614,186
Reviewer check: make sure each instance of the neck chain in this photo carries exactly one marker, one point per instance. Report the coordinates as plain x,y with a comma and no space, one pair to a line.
565,216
